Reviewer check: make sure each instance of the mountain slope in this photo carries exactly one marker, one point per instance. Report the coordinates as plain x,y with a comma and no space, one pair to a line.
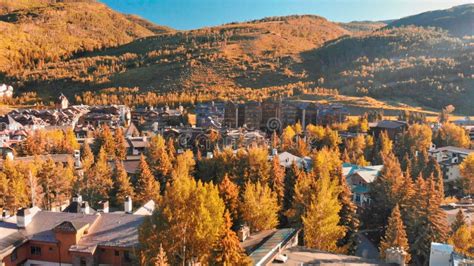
362,26
50,32
459,20
253,54
7,6
414,65
157,29
273,56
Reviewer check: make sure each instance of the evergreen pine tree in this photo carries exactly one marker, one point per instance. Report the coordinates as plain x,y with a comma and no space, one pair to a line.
3,189
228,250
467,173
122,186
291,177
158,158
121,144
87,157
459,221
171,149
395,235
147,187
303,190
106,140
349,217
383,148
432,226
229,192
161,259
259,207
385,192
99,179
345,157
321,220
277,180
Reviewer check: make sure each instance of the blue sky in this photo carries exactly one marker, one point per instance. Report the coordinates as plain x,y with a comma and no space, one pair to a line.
192,14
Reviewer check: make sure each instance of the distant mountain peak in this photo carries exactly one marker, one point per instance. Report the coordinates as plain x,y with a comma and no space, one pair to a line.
458,20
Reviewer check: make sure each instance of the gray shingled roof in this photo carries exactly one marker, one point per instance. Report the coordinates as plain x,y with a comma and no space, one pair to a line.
43,222
114,230
391,124
107,229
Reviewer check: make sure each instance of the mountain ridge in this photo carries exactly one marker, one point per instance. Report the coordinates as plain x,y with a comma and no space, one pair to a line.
269,56
458,20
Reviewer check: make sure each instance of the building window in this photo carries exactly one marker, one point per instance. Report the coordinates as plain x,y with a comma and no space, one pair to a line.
117,253
35,251
14,256
50,249
126,255
83,262
358,198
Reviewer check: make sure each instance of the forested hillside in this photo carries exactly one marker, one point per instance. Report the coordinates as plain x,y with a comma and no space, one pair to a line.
424,65
255,54
41,32
458,20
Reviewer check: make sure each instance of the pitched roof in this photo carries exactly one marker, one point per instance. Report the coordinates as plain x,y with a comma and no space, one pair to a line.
113,230
367,173
39,229
106,229
368,176
453,149
43,223
391,124
146,209
131,130
70,227
287,159
57,158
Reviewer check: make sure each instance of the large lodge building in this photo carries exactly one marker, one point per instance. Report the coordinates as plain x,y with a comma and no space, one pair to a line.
257,115
36,237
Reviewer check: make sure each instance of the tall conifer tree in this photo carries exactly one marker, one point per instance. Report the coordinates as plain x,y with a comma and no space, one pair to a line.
147,187
395,234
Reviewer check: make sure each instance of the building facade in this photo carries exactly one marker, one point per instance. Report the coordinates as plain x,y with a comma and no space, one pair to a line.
36,237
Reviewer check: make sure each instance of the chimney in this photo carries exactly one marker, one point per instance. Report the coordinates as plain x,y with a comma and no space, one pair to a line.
104,206
23,217
85,207
77,198
5,215
10,155
128,204
77,159
274,152
395,255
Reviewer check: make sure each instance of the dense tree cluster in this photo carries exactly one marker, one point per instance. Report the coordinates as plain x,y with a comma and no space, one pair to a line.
48,141
41,183
201,201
